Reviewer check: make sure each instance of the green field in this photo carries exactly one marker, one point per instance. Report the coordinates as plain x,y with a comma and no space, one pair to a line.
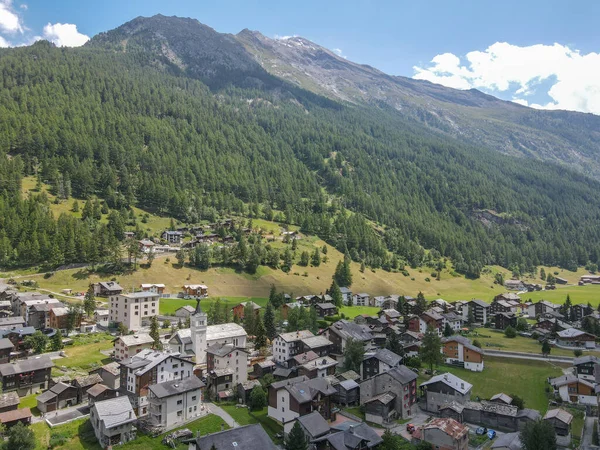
245,417
79,435
579,294
519,377
353,311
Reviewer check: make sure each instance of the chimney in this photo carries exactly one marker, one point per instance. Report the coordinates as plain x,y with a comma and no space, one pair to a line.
130,414
351,429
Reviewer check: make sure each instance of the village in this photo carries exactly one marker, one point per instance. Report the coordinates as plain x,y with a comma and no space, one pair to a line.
344,384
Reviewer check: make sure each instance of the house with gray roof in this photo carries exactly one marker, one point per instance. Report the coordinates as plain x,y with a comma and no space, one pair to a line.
341,331
445,388
113,421
350,435
401,382
175,402
478,310
61,395
250,437
313,425
378,361
185,311
26,376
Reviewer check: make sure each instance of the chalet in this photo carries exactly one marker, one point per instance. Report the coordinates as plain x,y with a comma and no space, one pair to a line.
172,237
288,345
444,388
238,310
249,437
286,307
100,392
318,344
458,350
341,331
318,368
83,385
263,368
175,402
379,361
107,288
573,337
185,311
514,285
37,314
195,291
444,433
26,376
560,420
541,307
578,312
110,374
380,408
452,410
478,310
10,418
244,390
346,294
207,238
501,398
508,441
102,317
412,348
157,288
502,320
551,325
411,336
348,392
589,279
296,397
501,305
453,320
6,348
559,280
350,435
61,395
399,381
130,344
509,297
283,373
572,389
314,426
585,367
113,421
325,309
310,300
226,366
433,319
349,375
146,246
391,315
59,318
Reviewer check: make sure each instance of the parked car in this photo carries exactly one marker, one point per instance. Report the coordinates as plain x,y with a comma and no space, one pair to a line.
481,431
491,434
410,428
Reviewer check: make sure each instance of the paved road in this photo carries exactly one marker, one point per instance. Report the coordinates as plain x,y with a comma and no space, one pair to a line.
530,356
588,430
214,409
64,415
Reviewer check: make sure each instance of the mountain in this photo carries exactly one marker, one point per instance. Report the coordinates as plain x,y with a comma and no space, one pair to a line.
169,115
569,138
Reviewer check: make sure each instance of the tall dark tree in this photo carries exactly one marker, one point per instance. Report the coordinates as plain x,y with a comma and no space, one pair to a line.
538,435
269,322
430,350
296,439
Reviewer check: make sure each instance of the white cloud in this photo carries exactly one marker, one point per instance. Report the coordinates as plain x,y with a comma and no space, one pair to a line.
4,43
65,35
339,52
283,38
24,6
502,67
9,20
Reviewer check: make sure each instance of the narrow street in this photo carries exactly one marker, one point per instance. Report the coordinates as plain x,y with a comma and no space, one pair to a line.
214,409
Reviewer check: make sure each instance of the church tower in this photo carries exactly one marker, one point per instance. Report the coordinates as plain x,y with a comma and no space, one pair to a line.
198,324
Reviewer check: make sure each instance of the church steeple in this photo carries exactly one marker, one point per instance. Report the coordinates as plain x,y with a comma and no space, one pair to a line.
199,322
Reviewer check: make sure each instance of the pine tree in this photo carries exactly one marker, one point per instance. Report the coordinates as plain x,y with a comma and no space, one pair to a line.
260,339
539,435
316,258
21,437
421,304
336,295
75,207
250,319
430,348
304,257
448,331
154,333
89,301
56,343
269,322
296,439
353,355
546,348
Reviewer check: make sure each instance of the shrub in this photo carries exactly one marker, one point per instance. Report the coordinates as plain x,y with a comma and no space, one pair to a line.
427,280
510,332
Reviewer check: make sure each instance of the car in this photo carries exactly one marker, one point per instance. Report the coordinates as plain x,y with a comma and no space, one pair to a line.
481,431
410,428
491,434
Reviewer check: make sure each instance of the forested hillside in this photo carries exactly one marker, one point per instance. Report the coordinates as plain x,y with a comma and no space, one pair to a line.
134,129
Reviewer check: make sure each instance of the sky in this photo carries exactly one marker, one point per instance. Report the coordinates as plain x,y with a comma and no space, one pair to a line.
541,53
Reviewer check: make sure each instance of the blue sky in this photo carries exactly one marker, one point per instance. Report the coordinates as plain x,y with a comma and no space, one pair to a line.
400,38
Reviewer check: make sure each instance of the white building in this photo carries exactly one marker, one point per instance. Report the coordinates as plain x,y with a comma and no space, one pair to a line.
133,310
346,295
223,356
113,421
157,288
102,317
361,299
454,320
151,367
131,344
175,402
575,390
288,345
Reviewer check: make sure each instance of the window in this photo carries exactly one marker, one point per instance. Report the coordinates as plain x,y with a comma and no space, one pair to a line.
195,408
282,409
176,373
194,398
179,413
179,402
175,366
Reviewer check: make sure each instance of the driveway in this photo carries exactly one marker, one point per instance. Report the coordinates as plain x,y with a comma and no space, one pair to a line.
64,415
217,411
418,419
588,430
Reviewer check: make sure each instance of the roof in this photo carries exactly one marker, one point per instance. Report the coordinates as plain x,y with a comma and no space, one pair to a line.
449,380
249,384
149,285
455,406
305,357
401,373
89,380
464,341
345,290
46,396
187,308
386,356
7,321
60,311
136,339
113,368
433,314
572,333
559,414
114,412
195,286
449,426
222,349
26,365
480,303
184,335
322,362
14,415
502,397
351,434
391,312
351,330
296,335
225,330
174,387
316,341
147,359
282,372
111,285
244,304
529,413
349,384
315,424
9,399
580,360
97,389
492,407
325,305
510,441
350,375
5,343
265,364
250,437
141,295
384,398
